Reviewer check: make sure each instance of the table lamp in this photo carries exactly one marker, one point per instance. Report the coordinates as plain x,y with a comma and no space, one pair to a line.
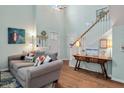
109,45
78,45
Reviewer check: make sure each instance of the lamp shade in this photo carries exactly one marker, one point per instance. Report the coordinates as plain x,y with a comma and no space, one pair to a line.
78,44
109,45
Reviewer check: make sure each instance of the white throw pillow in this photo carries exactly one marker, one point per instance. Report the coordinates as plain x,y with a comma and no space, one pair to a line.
47,59
36,62
39,60
29,59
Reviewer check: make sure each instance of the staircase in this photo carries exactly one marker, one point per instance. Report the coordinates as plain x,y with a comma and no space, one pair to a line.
92,35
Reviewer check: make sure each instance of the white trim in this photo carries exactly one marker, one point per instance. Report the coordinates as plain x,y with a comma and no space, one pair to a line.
65,59
4,69
71,65
110,75
118,80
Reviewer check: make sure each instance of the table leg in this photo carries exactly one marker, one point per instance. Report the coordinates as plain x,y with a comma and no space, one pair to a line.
104,70
0,78
76,65
79,65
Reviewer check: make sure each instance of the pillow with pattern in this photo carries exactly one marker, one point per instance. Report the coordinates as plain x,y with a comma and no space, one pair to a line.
47,59
31,54
39,60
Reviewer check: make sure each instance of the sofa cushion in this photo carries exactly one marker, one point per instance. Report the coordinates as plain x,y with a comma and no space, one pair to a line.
12,62
22,72
19,64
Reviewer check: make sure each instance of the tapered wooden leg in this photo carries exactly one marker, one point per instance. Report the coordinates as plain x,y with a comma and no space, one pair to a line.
79,65
76,65
54,85
0,78
104,70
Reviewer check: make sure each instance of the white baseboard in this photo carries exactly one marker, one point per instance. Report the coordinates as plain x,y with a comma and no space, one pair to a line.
5,69
71,65
110,75
118,80
65,59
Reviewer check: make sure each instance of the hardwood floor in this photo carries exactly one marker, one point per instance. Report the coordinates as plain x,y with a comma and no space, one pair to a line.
84,79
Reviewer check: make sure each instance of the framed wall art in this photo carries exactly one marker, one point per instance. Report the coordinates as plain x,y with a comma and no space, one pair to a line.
103,43
53,35
16,36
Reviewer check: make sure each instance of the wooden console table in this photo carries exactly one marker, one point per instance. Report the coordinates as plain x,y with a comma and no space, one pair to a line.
92,59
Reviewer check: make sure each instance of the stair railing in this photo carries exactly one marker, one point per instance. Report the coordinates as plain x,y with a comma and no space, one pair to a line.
102,14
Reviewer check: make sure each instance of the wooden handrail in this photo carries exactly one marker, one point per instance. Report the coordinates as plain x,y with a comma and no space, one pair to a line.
84,33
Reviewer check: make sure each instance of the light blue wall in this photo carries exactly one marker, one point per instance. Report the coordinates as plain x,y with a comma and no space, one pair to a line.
51,20
117,14
17,17
118,54
30,18
77,19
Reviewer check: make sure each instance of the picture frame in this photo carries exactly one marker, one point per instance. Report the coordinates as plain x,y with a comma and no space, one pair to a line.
16,36
92,52
103,43
53,35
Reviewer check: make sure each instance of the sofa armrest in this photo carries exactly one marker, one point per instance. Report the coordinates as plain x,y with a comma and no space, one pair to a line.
45,68
15,57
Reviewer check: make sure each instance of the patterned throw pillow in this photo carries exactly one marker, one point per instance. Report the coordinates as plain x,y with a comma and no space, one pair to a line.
29,58
53,56
39,53
47,59
22,57
31,54
39,60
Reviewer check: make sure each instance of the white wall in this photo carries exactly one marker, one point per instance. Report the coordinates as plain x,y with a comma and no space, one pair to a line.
117,16
51,20
17,17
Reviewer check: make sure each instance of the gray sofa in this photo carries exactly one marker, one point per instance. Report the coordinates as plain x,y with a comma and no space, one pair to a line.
30,76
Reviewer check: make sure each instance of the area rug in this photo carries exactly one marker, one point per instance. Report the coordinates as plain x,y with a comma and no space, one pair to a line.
8,81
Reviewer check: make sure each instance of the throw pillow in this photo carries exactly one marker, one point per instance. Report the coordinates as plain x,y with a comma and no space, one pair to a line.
47,59
39,60
39,53
22,58
29,58
31,54
53,56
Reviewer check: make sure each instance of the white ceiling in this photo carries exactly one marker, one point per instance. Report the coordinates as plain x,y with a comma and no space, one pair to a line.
117,14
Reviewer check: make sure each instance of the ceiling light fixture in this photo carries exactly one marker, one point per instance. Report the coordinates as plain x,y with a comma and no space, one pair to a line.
59,7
